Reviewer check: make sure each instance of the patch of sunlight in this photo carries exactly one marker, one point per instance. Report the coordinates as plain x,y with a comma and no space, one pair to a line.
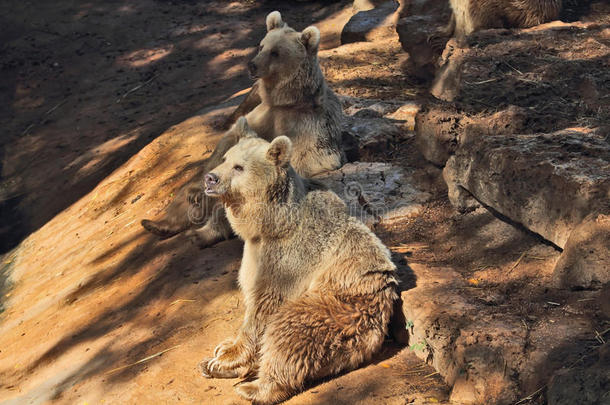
193,29
92,158
85,10
219,62
25,97
233,71
211,43
229,54
126,9
143,57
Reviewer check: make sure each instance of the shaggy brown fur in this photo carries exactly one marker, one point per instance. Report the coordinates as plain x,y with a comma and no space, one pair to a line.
318,284
473,15
290,98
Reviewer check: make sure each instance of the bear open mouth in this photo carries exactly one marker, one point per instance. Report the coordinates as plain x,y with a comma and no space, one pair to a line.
211,192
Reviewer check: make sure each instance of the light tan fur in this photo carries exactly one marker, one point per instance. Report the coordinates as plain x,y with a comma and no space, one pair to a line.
319,286
473,15
290,98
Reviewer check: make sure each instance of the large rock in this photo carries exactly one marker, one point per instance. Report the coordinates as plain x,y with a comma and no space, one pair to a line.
486,353
418,23
538,80
557,70
585,261
373,135
542,79
370,24
548,182
372,127
440,127
375,192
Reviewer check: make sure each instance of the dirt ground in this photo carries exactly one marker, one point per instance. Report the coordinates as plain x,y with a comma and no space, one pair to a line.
90,92
107,108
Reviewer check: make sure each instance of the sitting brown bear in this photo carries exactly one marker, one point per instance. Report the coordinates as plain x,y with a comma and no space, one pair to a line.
318,284
289,98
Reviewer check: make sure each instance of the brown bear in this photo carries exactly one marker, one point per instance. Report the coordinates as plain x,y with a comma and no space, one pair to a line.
318,284
472,15
290,98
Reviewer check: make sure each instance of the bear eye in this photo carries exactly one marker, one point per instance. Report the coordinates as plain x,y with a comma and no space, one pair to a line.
260,48
275,54
238,168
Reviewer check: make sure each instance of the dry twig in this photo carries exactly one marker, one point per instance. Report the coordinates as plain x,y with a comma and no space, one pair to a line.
145,359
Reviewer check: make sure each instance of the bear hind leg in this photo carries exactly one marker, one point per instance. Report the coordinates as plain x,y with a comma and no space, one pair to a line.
301,345
263,391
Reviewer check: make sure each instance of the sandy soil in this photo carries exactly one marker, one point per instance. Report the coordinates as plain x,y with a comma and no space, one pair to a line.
90,95
108,107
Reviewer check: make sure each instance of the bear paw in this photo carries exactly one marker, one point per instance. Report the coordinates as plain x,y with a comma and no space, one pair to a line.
212,368
261,393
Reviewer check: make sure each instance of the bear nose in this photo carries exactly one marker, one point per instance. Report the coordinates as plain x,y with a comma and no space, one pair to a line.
211,179
252,67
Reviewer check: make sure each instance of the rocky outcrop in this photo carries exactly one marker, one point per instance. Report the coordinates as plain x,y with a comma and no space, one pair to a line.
548,183
516,82
587,383
374,126
440,127
376,192
487,354
538,80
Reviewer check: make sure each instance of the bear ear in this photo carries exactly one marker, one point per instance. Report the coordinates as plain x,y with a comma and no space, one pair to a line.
280,151
274,20
242,128
311,38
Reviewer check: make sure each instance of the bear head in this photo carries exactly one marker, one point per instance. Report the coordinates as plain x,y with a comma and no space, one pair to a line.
283,51
250,168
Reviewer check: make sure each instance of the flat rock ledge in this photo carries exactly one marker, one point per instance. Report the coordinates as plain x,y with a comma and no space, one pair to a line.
488,355
375,192
547,182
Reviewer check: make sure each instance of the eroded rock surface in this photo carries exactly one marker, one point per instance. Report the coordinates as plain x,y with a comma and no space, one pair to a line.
585,383
489,331
375,126
376,192
440,128
542,79
547,182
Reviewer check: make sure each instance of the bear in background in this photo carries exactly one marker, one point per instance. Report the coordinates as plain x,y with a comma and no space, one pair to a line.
472,15
290,97
319,286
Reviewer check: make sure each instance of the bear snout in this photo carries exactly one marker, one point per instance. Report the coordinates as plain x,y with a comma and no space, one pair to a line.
211,179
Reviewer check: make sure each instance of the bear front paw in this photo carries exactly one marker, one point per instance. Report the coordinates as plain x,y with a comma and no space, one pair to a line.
212,368
437,41
223,347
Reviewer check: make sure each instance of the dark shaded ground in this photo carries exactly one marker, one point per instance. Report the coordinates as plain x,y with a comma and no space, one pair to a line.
91,90
92,294
85,85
